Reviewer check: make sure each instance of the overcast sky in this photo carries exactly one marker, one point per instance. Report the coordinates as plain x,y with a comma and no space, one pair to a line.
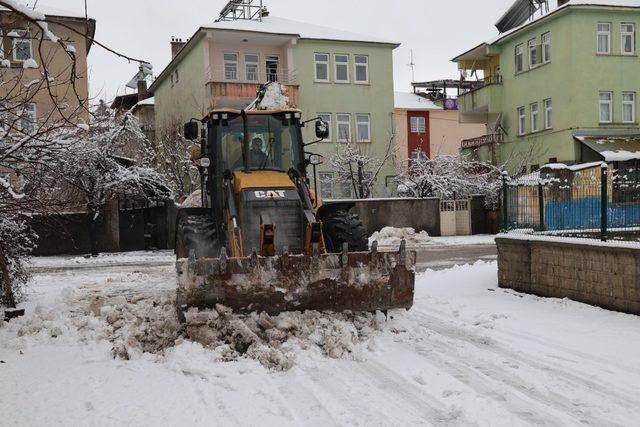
435,30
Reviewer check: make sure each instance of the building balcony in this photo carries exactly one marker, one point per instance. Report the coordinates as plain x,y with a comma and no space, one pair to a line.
475,104
492,138
257,75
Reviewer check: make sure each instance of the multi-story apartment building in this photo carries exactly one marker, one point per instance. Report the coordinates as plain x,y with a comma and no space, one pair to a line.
555,84
345,78
35,71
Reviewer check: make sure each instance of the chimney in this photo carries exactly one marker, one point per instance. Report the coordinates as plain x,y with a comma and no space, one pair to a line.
143,93
176,45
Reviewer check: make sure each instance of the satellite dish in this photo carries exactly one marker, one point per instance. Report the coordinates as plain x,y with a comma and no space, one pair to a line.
144,73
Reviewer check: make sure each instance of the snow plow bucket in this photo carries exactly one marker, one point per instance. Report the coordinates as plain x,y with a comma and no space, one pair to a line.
357,281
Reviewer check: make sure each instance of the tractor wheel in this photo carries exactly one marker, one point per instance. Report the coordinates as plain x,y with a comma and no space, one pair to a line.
342,227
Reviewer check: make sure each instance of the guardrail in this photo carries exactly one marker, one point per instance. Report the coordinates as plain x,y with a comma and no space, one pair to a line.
492,138
251,75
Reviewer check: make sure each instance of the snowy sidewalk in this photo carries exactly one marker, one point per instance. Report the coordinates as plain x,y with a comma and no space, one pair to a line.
468,353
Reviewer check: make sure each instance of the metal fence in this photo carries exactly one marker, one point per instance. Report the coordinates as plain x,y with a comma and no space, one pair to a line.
588,201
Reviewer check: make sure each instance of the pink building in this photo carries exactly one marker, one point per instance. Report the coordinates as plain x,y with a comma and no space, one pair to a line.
421,124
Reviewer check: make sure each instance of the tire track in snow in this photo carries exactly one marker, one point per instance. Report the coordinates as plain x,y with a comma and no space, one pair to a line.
474,371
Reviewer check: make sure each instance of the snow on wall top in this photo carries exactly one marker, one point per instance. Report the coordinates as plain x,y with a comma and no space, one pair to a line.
276,25
411,101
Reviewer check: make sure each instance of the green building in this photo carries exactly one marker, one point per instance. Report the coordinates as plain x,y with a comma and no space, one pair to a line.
345,78
560,87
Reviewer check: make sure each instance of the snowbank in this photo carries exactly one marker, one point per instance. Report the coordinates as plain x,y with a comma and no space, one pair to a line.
391,236
467,353
193,201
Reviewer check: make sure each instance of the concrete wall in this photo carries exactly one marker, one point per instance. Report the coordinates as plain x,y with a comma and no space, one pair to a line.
607,275
420,214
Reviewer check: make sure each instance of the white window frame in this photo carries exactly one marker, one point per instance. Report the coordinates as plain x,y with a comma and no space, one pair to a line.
420,125
336,64
363,120
546,47
327,118
522,121
343,122
603,33
605,102
325,178
535,116
632,104
255,63
624,34
519,53
533,49
31,116
326,64
23,36
357,65
548,113
230,62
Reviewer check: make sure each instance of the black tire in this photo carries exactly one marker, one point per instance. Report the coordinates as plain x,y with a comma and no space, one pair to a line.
342,227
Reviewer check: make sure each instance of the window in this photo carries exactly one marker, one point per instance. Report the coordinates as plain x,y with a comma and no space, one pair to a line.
546,47
604,37
325,184
251,68
534,117
343,188
231,66
361,65
606,107
363,127
548,113
21,45
343,126
521,121
628,107
272,65
519,58
418,124
327,118
533,53
628,39
342,68
321,67
27,121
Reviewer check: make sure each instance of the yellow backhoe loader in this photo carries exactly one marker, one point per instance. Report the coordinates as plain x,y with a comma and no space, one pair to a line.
263,240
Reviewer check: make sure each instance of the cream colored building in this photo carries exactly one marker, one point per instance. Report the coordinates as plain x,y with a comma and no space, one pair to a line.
421,124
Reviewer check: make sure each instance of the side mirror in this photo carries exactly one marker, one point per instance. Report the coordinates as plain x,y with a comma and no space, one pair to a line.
322,129
316,159
191,130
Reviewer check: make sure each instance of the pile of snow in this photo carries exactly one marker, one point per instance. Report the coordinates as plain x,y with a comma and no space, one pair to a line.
391,236
275,341
275,98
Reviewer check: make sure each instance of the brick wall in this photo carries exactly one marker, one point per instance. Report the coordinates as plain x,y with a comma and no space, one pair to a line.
606,275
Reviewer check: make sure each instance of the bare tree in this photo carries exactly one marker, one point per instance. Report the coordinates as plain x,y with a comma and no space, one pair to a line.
449,176
170,154
359,170
28,145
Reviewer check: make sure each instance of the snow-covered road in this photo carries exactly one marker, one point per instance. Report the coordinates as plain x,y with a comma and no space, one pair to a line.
468,353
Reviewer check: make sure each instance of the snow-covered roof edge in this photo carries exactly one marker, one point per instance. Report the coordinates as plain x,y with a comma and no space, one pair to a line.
411,101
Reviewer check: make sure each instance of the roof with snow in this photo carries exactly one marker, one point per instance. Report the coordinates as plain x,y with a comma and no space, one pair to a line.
52,11
275,25
613,148
553,11
411,101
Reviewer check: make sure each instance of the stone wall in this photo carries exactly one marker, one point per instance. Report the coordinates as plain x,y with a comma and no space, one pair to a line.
420,214
606,275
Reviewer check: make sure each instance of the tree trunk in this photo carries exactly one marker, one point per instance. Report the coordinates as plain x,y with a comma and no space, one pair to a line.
360,181
93,217
7,289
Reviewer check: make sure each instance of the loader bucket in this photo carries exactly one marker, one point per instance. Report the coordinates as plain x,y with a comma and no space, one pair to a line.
356,281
